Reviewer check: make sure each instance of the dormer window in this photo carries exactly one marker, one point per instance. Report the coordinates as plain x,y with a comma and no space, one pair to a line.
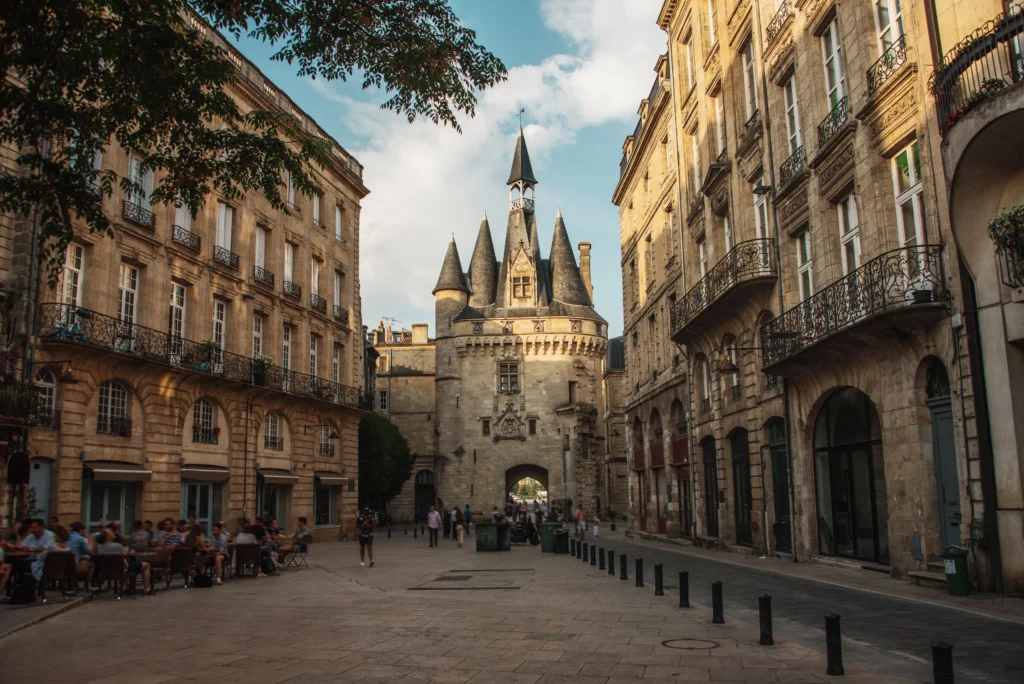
521,287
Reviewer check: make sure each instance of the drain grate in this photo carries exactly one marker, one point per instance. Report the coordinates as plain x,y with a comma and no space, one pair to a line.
453,578
462,588
690,644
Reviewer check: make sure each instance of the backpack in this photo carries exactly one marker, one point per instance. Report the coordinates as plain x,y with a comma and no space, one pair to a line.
202,581
24,591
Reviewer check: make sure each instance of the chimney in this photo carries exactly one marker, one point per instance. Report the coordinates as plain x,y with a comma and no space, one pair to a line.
419,333
585,268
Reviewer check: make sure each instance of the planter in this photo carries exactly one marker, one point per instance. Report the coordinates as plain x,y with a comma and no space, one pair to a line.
259,376
922,296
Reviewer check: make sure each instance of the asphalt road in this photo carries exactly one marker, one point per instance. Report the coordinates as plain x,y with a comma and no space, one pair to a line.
882,630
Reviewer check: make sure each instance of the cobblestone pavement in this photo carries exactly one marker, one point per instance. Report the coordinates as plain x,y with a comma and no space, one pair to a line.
446,614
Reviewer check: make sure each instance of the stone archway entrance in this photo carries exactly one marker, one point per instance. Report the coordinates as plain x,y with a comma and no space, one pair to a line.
516,474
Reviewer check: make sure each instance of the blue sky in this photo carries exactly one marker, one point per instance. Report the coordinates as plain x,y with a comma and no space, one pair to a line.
579,67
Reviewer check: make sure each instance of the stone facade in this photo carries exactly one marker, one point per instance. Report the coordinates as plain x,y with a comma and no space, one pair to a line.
615,500
816,279
520,357
160,423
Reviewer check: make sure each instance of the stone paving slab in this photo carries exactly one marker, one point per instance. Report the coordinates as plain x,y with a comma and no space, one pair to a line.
338,622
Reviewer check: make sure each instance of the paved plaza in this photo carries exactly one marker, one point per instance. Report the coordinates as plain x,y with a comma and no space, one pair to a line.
421,615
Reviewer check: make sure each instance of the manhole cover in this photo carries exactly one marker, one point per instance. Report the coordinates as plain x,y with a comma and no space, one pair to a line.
690,644
551,637
453,578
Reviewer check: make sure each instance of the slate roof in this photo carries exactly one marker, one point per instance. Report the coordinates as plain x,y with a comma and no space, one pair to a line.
452,277
522,170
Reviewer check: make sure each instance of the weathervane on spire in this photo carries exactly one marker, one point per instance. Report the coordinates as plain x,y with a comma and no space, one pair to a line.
521,110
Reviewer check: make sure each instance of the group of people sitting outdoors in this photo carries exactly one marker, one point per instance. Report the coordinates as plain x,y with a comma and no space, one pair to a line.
146,548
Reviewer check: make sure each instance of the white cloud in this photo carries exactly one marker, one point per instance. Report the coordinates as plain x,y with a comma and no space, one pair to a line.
428,182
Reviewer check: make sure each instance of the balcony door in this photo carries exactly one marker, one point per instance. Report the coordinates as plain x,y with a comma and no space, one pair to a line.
127,302
780,484
742,496
203,500
177,322
710,462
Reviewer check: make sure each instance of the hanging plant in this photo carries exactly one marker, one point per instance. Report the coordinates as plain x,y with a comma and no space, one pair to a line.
1006,230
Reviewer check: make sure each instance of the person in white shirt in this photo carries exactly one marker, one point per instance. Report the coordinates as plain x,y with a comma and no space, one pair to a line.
433,523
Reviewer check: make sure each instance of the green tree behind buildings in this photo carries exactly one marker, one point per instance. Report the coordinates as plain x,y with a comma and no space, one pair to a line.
385,461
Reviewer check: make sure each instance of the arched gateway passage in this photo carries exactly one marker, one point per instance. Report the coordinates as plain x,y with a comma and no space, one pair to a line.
520,472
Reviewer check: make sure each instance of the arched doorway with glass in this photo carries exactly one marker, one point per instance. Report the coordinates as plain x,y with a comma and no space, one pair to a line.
641,473
779,458
710,466
425,494
681,463
739,442
660,483
947,481
849,477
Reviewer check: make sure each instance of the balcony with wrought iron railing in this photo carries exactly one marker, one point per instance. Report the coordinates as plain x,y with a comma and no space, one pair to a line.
792,168
909,282
887,65
47,417
983,64
751,129
774,27
326,449
186,238
341,314
263,276
223,255
292,290
318,302
118,426
65,324
21,404
1011,266
833,121
748,264
273,443
138,214
205,435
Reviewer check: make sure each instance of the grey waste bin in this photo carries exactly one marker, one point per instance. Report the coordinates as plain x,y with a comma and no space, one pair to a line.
562,541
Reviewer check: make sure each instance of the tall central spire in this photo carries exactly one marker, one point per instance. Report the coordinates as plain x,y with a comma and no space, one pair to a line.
521,181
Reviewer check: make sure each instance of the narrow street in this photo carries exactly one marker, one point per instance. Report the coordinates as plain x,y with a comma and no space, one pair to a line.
892,633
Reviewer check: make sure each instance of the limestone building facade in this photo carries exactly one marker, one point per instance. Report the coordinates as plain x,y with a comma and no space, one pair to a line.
405,394
616,462
830,411
519,355
208,366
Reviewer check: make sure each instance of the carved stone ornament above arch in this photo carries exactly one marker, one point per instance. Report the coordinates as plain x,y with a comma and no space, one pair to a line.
508,425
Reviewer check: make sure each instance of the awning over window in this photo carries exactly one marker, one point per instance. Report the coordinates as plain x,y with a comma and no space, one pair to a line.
204,473
277,476
330,479
115,470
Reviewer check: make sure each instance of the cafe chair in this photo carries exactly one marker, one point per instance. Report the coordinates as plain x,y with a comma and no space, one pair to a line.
180,564
247,555
111,571
55,569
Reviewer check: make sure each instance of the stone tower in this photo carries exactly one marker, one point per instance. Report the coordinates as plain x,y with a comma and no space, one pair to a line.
519,363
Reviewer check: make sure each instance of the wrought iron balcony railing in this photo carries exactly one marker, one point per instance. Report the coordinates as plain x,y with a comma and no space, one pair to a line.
292,290
186,238
138,214
341,314
119,426
750,130
833,121
736,391
318,302
771,381
327,450
775,25
205,435
1012,266
746,261
47,417
273,443
978,67
792,167
68,324
20,403
262,275
696,205
705,405
319,224
223,255
901,278
887,65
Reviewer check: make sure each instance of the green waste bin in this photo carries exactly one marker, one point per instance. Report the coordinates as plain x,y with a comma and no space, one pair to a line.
504,537
562,542
954,559
547,536
486,537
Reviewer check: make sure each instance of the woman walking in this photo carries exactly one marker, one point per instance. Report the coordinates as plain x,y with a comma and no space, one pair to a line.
460,525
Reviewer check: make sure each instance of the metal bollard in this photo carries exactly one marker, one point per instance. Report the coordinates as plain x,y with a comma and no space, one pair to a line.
611,562
600,557
764,612
593,555
422,530
414,533
613,525
623,575
833,645
572,548
389,533
639,572
716,603
406,531
659,588
942,662
684,589
586,556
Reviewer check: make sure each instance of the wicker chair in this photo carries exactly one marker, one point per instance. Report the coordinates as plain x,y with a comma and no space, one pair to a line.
247,555
55,569
180,564
110,570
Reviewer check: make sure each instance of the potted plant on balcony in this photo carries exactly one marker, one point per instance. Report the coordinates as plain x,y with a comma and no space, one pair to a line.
260,364
1006,230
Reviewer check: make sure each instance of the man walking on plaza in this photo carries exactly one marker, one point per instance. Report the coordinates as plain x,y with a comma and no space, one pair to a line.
468,515
433,523
454,520
365,525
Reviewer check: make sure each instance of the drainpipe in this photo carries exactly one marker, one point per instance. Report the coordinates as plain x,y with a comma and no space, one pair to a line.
782,304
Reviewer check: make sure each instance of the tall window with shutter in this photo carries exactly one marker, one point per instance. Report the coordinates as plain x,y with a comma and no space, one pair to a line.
225,225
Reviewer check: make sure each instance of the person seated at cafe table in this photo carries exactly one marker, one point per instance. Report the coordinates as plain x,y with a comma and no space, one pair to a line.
218,545
38,537
164,528
59,543
109,546
83,548
5,575
194,538
267,547
301,537
138,540
54,523
177,537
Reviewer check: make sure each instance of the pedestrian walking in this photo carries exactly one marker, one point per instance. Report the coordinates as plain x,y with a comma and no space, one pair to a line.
433,523
365,524
468,515
460,526
581,522
453,521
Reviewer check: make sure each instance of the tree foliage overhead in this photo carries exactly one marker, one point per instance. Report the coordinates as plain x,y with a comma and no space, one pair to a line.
385,461
88,74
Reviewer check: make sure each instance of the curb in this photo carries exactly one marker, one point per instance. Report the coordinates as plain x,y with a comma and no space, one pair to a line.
60,610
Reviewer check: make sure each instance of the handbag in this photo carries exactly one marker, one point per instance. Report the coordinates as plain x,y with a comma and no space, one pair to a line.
202,581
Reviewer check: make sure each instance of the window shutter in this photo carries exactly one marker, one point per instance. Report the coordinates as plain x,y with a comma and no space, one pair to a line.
261,246
289,256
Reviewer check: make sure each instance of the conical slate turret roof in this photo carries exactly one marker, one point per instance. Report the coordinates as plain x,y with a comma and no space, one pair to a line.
452,277
566,282
522,170
483,268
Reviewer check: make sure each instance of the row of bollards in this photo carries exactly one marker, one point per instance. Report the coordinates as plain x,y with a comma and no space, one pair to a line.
942,653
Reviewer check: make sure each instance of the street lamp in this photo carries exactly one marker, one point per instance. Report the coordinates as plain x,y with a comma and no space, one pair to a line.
762,189
730,368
